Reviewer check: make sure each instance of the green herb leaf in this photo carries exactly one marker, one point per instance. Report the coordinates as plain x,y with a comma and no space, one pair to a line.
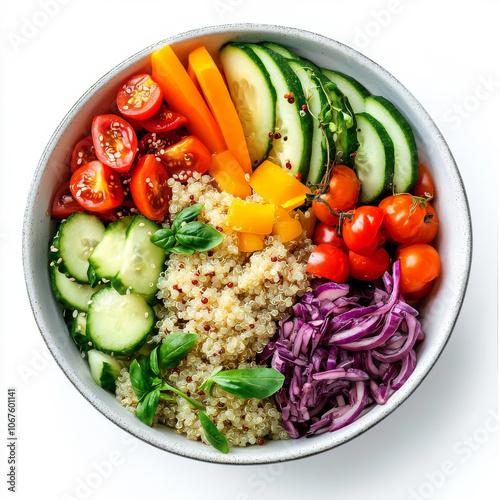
175,348
212,434
153,361
209,383
163,238
182,250
186,215
256,383
192,402
146,408
142,380
198,236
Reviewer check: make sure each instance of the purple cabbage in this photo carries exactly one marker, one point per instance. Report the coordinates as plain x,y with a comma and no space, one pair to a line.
340,351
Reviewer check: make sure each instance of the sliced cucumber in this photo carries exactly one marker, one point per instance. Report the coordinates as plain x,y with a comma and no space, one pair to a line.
78,235
292,147
374,161
78,331
106,258
253,96
405,148
70,293
104,369
117,323
351,88
142,262
279,49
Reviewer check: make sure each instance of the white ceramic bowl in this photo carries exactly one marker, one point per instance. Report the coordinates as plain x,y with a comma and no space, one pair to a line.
454,240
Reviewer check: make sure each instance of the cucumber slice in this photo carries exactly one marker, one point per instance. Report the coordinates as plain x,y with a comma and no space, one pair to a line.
293,146
142,262
253,96
405,148
106,258
117,323
351,88
78,331
70,293
279,49
104,369
374,162
77,237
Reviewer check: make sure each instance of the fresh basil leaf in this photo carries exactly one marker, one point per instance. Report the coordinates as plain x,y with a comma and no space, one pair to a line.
212,434
142,381
163,238
146,408
182,250
209,383
186,215
198,236
153,361
256,383
175,348
166,387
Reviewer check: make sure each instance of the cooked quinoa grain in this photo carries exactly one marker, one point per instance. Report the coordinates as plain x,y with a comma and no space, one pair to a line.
233,301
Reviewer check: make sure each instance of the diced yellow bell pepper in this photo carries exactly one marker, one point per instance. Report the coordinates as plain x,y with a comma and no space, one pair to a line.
308,221
228,175
250,242
277,186
285,226
249,217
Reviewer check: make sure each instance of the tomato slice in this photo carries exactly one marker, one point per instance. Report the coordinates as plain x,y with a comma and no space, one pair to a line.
369,267
149,187
362,233
164,120
186,157
153,143
96,187
115,142
140,97
83,153
64,203
329,262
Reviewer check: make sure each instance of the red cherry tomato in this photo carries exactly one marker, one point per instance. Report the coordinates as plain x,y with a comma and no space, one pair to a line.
149,187
362,233
64,203
115,142
328,234
329,262
164,120
409,219
140,97
97,187
420,264
342,194
369,267
83,153
154,142
187,156
420,293
424,186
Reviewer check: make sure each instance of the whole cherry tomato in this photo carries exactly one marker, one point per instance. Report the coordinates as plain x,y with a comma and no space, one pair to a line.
329,262
424,187
420,264
140,97
328,234
342,194
361,231
369,267
409,219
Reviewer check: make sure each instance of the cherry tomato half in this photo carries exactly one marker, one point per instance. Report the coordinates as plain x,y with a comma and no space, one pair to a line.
187,156
140,97
420,264
164,120
328,234
64,203
154,142
149,187
409,219
424,186
362,232
329,262
342,194
83,153
96,187
369,267
115,142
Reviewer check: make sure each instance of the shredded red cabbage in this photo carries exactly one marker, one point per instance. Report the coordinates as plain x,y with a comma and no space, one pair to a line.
340,351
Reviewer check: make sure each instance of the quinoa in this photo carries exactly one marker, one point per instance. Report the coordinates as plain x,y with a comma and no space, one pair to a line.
233,301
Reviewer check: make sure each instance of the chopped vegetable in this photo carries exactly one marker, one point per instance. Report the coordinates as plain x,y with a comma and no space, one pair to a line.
286,227
228,175
250,242
249,217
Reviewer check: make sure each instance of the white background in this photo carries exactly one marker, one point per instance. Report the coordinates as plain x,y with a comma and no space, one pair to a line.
442,442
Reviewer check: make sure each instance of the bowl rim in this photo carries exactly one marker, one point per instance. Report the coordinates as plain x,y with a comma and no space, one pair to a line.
349,432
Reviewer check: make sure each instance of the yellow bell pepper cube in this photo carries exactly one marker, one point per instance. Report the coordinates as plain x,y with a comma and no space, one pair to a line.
250,217
228,175
286,227
308,221
277,186
250,242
